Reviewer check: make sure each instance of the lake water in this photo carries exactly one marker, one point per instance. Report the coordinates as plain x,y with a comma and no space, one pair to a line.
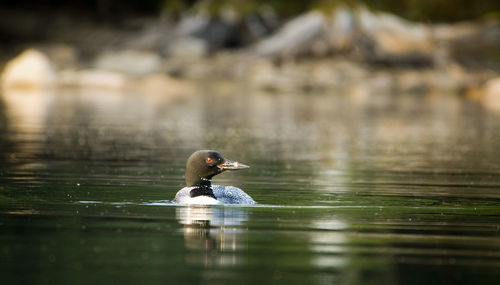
352,189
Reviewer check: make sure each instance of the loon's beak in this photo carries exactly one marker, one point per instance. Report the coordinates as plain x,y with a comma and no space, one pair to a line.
232,165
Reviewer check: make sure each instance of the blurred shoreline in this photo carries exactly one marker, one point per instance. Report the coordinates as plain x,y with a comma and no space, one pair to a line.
349,48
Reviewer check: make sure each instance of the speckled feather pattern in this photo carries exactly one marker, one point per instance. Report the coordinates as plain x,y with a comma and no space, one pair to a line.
223,194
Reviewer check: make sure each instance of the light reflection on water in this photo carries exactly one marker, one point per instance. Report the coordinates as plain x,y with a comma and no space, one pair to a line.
209,229
399,189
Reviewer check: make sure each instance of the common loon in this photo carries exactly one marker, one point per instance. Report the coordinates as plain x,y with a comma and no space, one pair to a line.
201,166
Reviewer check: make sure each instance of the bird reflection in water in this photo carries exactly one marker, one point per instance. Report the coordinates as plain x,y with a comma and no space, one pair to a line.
216,233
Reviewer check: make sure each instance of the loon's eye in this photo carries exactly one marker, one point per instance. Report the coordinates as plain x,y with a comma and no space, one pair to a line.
209,160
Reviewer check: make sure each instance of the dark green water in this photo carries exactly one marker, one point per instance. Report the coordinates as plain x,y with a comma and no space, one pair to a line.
397,190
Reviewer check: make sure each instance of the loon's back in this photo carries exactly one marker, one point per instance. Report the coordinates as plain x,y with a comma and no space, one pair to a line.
231,195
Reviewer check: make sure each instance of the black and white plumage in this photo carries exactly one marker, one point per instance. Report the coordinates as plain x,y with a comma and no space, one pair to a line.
223,195
201,166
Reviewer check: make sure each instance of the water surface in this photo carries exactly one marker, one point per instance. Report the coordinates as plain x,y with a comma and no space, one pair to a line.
389,189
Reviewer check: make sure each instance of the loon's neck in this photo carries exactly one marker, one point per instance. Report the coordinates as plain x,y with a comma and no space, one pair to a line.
202,188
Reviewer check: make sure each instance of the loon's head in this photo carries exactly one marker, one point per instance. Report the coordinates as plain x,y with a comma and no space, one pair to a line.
202,165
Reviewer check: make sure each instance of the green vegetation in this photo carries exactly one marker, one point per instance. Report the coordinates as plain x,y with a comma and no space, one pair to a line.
418,10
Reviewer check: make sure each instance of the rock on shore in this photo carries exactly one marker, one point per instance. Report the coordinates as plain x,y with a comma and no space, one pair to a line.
378,37
31,69
491,97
